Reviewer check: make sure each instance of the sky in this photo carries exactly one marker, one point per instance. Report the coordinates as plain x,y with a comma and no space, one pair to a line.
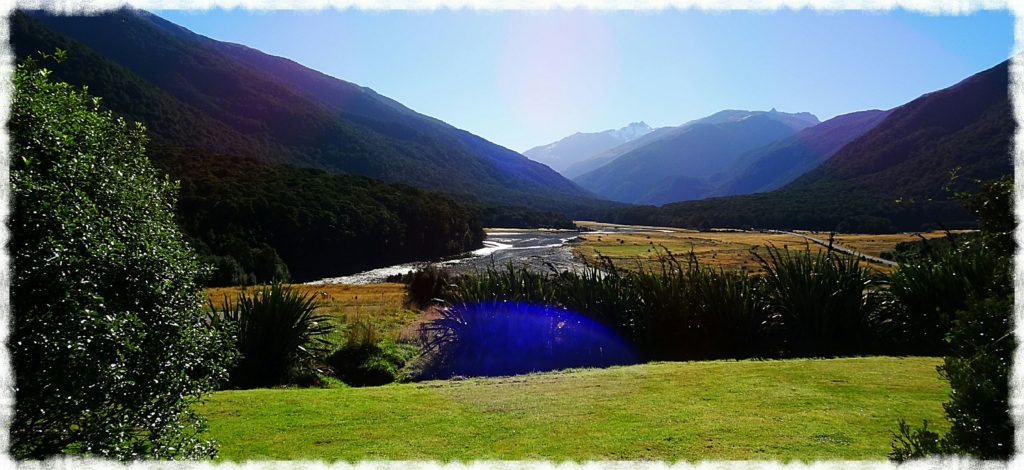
522,79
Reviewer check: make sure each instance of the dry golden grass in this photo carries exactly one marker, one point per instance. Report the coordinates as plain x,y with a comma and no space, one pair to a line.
874,245
727,249
590,224
381,304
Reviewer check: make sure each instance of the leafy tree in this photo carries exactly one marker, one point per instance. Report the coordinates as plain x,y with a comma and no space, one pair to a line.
981,342
978,371
109,344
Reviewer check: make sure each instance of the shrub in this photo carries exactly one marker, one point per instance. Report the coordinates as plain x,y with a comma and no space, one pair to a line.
978,371
912,443
927,293
366,360
278,335
819,303
371,364
109,345
425,285
917,250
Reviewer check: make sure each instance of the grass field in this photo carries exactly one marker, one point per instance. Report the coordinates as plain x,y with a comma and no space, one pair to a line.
875,244
380,304
732,250
774,410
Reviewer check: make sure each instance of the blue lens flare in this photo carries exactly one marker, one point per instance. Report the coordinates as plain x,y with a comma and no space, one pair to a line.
503,338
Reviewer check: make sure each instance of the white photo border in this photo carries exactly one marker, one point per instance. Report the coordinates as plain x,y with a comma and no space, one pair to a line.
928,7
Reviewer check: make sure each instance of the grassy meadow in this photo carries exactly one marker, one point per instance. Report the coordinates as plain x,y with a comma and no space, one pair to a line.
732,250
798,409
876,244
381,305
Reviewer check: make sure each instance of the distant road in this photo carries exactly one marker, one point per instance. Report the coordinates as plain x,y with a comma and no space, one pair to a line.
838,248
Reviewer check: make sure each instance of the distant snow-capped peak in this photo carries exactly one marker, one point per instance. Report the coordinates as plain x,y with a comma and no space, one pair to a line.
633,131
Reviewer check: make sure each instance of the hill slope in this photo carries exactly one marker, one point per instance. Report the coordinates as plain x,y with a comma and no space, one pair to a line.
296,115
581,146
776,164
250,218
799,120
685,163
894,177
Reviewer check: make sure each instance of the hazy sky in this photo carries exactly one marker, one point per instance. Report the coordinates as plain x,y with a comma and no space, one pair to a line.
522,79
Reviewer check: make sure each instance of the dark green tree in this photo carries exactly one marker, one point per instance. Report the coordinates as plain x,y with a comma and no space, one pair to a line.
980,339
109,344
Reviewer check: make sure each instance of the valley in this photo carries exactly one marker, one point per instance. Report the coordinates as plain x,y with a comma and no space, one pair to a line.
637,247
210,227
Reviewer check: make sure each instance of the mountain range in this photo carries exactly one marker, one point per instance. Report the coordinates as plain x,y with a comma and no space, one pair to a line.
688,161
900,174
778,163
575,148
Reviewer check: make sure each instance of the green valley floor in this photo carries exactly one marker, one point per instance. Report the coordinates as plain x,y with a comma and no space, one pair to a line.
803,409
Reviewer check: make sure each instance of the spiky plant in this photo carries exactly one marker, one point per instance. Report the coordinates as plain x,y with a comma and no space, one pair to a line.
819,303
278,335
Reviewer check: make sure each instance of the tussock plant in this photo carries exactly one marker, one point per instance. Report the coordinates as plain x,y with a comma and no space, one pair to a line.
505,318
819,304
278,334
424,286
365,359
807,304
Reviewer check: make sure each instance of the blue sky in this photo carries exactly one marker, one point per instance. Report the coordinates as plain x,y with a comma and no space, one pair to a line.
522,79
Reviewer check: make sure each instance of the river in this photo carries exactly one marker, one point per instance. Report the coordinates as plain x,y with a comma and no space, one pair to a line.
536,249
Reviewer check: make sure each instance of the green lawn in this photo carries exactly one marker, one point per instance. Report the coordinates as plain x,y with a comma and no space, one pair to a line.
792,409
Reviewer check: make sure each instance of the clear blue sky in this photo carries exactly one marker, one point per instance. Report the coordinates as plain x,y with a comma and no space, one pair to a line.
522,79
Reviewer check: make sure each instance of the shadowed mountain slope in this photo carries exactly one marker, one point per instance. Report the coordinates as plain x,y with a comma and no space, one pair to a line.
776,164
288,113
897,176
687,162
267,172
581,146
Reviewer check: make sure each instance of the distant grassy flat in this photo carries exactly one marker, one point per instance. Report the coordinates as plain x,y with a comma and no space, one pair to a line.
875,244
803,409
380,304
732,250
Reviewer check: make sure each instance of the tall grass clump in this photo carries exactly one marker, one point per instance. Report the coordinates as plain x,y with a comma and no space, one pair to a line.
600,291
820,304
424,286
729,314
278,333
367,359
674,310
509,283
